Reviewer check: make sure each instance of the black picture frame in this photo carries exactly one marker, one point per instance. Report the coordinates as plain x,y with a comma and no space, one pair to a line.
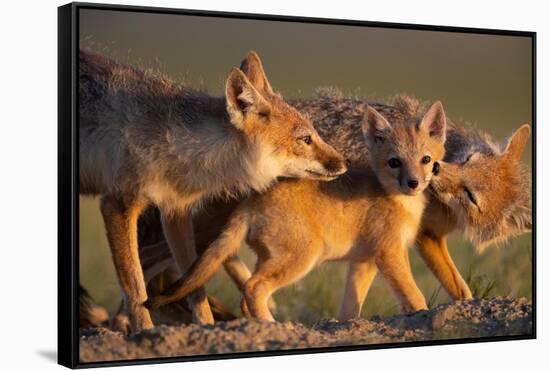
68,205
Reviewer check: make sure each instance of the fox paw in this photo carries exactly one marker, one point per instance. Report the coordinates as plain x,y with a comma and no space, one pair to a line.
155,302
121,323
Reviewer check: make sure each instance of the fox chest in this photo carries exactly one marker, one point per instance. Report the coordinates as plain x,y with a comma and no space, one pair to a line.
169,199
407,219
408,231
394,224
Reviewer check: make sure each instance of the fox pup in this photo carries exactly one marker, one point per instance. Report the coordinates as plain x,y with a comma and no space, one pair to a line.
145,140
368,218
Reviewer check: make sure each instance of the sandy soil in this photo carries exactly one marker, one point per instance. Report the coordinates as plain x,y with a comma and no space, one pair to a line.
472,319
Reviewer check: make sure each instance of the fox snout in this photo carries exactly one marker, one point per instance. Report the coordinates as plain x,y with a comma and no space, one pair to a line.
411,187
413,180
436,168
446,182
328,163
336,165
413,183
446,176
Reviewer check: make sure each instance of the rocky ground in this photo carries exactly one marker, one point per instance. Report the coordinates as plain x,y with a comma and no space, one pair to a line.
465,319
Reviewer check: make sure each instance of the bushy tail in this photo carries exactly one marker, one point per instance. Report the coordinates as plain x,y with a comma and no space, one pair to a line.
89,314
207,265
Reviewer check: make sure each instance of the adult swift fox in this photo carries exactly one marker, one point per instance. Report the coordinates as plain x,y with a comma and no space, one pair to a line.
368,218
145,140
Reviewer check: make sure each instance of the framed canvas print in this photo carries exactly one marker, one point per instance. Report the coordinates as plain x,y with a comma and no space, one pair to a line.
237,185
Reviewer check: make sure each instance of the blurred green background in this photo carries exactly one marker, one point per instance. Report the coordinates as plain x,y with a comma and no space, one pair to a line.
482,79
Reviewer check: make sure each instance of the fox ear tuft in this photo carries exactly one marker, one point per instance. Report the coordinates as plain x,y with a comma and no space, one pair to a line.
375,127
435,122
254,71
515,145
242,99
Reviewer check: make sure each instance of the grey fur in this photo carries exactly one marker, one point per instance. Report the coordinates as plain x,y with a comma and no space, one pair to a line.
338,119
137,123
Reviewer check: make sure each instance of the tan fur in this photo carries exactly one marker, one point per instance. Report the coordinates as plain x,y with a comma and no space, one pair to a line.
145,140
368,218
120,223
485,193
492,177
485,197
336,118
434,251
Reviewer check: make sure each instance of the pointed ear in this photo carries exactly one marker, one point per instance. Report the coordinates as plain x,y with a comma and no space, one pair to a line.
435,122
515,145
243,99
254,71
375,127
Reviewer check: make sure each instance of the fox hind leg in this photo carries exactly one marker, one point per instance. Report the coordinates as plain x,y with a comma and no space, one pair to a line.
271,275
360,277
239,273
435,254
178,229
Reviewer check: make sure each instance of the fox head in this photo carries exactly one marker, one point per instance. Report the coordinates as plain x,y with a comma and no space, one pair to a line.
489,193
287,139
402,154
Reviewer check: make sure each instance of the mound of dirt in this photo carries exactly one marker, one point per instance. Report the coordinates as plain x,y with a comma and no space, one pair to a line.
464,319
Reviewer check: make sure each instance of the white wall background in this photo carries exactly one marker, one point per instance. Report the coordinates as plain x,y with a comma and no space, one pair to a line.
28,181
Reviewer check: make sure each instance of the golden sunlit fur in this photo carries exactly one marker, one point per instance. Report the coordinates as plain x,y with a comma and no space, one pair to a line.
337,119
487,197
486,192
368,218
337,116
145,140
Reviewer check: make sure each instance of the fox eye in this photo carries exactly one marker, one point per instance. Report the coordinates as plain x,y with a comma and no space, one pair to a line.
394,162
471,196
306,139
426,160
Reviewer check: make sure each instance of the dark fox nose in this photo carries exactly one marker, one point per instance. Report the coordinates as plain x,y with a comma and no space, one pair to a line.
412,184
335,165
436,168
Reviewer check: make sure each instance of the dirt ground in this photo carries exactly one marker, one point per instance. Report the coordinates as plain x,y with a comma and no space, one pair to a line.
465,319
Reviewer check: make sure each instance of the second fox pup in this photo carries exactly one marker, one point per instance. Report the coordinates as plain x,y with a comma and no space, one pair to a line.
368,218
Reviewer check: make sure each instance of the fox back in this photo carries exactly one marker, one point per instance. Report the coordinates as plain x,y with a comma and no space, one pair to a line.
141,133
358,216
469,154
384,199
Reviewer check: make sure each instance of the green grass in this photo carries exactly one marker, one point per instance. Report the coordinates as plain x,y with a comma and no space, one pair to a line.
481,285
501,271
